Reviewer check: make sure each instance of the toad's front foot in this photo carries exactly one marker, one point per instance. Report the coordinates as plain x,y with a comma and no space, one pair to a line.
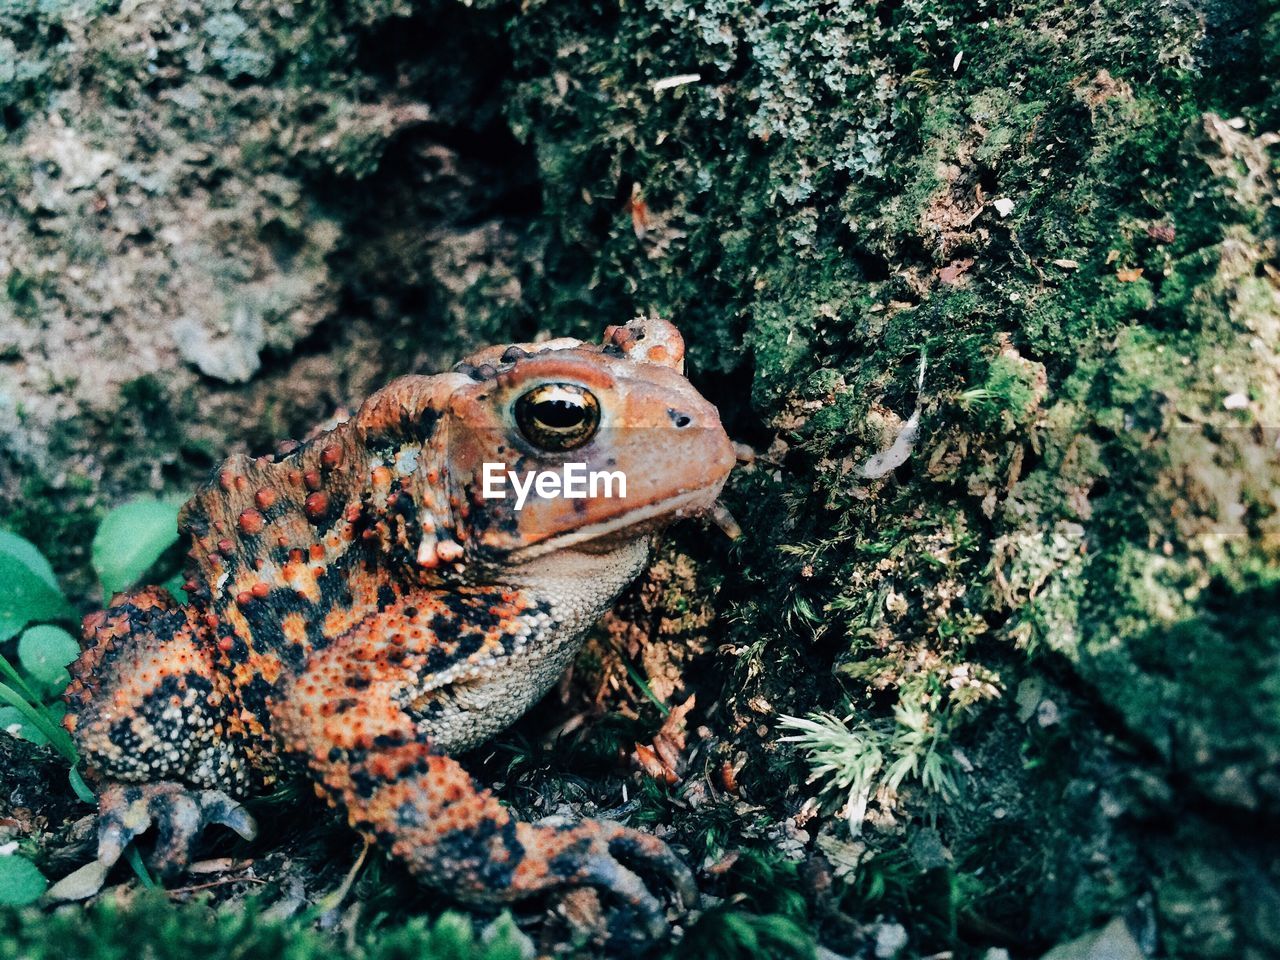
179,814
621,863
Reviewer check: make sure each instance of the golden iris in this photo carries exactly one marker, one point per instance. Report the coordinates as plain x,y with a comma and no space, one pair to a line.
558,416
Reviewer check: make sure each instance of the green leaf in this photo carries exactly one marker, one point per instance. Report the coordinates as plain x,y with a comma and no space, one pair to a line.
20,881
174,585
130,539
15,723
26,596
44,651
29,554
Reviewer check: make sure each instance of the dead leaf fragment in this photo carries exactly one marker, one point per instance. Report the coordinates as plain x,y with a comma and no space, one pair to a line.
723,865
952,210
679,80
81,884
640,219
952,272
664,758
647,759
1101,88
728,777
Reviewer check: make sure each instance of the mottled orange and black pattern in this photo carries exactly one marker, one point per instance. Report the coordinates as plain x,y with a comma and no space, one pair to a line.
357,611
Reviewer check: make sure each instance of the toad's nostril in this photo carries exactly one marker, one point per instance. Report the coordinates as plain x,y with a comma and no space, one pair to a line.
681,420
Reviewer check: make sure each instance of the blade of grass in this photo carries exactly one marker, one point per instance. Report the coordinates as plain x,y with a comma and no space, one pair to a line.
57,737
640,682
80,787
140,868
15,678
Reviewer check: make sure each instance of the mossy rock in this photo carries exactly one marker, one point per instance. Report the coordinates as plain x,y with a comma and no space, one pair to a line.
1067,216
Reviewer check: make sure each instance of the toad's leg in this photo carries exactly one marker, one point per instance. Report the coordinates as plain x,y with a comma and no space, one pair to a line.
143,711
348,714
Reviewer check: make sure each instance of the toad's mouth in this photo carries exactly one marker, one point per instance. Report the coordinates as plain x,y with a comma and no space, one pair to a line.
692,503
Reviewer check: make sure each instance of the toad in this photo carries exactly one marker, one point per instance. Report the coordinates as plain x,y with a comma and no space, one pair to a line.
360,612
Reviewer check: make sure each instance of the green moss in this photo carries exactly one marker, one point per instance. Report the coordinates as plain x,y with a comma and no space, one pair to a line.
822,201
234,46
152,926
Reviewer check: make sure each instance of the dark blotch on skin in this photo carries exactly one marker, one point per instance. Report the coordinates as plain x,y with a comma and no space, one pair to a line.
474,848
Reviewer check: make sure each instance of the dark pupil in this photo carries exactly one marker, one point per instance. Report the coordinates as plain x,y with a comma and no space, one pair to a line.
558,414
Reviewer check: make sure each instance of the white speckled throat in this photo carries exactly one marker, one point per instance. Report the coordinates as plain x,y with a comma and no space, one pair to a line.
580,585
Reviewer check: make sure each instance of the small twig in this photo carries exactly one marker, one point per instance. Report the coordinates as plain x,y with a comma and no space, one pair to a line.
214,883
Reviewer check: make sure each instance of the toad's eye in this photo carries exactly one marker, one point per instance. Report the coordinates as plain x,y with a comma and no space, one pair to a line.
558,416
